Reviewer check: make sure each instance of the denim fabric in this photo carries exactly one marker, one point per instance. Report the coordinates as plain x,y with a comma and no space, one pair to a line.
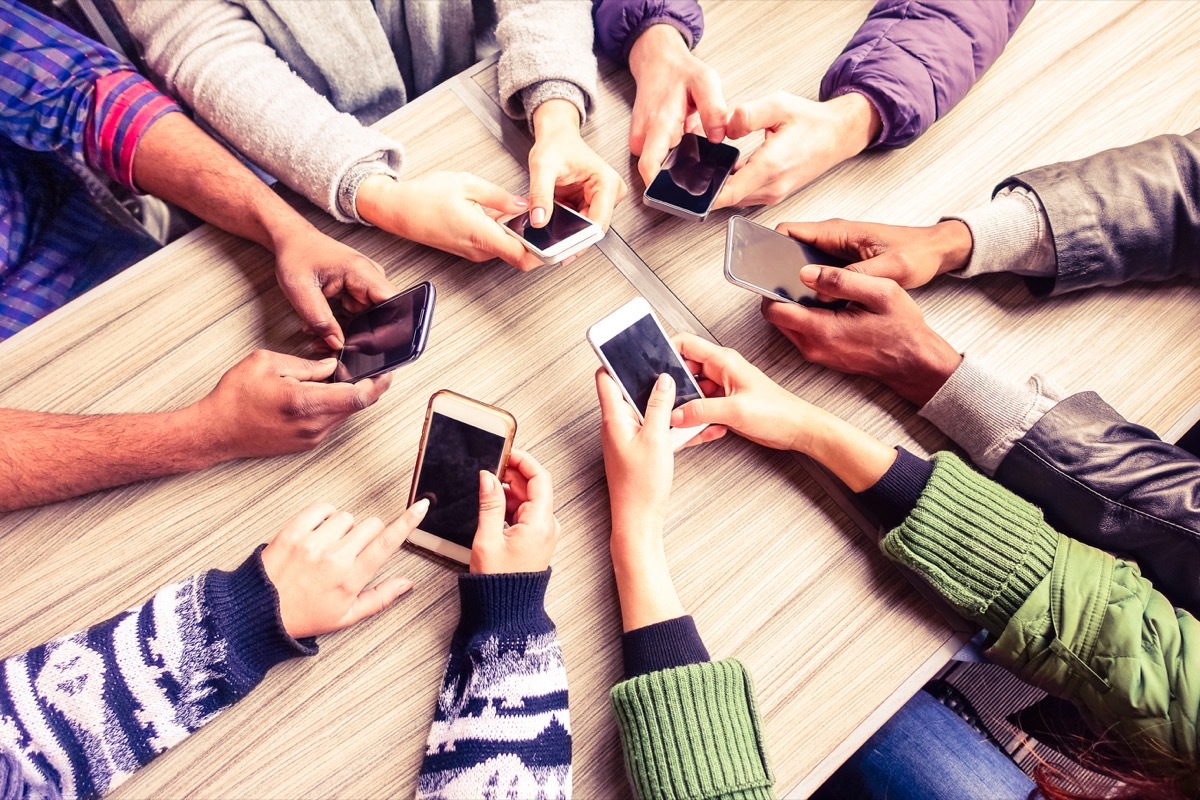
927,752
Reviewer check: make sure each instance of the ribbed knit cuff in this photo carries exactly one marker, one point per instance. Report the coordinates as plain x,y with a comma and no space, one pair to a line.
979,545
245,608
693,732
1009,234
986,414
533,96
894,496
347,198
663,645
505,603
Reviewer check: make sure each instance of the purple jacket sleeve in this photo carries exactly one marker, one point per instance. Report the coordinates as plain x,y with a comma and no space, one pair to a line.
915,59
620,22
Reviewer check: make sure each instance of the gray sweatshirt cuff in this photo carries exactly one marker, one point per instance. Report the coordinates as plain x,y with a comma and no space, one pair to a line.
533,96
1009,234
985,414
347,196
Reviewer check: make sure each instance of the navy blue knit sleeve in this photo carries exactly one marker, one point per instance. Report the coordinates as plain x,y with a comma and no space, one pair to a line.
619,23
895,495
86,711
501,718
663,645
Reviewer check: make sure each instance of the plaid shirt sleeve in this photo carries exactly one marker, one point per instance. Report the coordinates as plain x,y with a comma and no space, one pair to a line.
62,92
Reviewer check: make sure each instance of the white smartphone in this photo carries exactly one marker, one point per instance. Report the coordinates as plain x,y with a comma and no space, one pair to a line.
462,437
634,348
768,262
691,177
567,233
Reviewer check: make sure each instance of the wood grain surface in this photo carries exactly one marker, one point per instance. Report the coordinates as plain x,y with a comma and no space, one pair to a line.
774,572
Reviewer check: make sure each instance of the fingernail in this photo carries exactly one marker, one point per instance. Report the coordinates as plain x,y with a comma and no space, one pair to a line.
676,417
537,216
486,481
334,342
420,507
520,201
664,382
329,360
809,273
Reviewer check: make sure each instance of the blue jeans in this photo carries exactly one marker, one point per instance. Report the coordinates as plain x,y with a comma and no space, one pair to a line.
927,752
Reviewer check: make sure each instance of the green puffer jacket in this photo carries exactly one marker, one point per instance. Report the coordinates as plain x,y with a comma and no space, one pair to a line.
1074,620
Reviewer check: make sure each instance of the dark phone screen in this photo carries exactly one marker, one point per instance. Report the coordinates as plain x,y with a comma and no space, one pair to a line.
386,336
563,224
770,260
641,353
693,173
455,454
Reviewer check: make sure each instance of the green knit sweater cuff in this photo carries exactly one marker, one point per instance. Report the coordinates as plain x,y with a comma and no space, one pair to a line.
979,545
693,733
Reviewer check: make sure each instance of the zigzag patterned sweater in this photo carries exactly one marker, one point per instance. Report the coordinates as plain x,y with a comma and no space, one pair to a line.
80,714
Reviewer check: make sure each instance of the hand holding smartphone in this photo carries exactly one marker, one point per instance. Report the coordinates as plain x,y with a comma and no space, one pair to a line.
386,336
768,262
634,348
568,232
691,177
462,437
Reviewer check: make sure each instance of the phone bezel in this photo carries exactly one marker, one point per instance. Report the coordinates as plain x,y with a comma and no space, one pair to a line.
479,415
678,211
615,323
564,249
420,334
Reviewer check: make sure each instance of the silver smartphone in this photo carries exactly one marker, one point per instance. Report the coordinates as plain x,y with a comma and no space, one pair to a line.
691,177
567,233
634,348
768,262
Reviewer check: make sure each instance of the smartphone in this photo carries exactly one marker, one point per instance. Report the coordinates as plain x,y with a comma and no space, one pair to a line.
768,262
634,348
691,177
386,336
462,437
567,233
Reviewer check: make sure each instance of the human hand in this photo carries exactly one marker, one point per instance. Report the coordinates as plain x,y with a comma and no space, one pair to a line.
562,166
909,256
311,268
676,93
269,404
452,211
804,139
881,334
739,397
321,562
527,544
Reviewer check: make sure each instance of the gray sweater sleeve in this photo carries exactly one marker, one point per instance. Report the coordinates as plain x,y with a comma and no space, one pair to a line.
214,57
545,53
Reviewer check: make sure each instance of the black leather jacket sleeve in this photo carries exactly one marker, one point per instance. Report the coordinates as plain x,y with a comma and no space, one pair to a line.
1114,485
1132,213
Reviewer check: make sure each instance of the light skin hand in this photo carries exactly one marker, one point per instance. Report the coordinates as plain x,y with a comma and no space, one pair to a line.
452,211
322,561
312,267
910,256
562,166
527,505
677,93
881,334
639,466
270,404
804,139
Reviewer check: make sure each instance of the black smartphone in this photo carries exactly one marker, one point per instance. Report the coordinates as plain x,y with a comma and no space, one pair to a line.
691,177
768,262
386,336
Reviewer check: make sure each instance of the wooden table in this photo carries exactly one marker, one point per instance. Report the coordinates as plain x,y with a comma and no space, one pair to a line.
775,571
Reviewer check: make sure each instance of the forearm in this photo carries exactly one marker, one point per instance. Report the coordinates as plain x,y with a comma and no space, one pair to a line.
644,584
857,458
180,163
49,457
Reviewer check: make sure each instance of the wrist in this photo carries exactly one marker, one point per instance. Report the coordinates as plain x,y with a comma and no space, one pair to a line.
657,42
859,122
205,441
934,362
556,117
376,194
953,242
